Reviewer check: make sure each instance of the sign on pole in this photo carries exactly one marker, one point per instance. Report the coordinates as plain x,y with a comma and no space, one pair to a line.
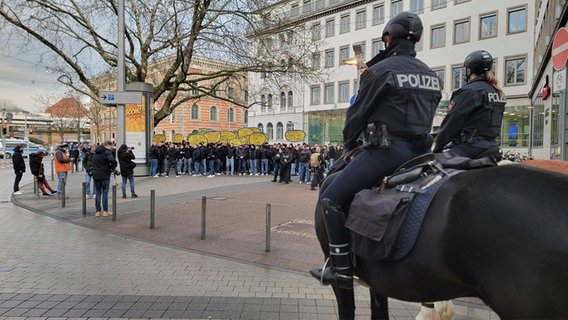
560,49
115,97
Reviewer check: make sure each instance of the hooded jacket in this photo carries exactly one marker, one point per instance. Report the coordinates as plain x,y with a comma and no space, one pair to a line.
103,163
125,158
18,160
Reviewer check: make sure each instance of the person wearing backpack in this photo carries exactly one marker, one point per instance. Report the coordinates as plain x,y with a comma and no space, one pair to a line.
317,165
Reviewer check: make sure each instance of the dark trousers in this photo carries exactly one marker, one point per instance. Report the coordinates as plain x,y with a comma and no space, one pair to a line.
17,181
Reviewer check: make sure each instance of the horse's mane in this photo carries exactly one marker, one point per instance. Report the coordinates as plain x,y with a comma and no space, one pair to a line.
553,165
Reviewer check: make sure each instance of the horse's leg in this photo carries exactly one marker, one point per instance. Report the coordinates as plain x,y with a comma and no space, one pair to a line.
345,303
428,312
445,308
379,306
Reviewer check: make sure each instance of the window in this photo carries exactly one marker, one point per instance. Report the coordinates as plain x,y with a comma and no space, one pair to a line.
515,70
316,60
290,100
316,31
193,91
488,26
270,131
308,6
289,126
263,103
344,23
231,92
279,131
343,54
458,77
269,101
315,95
195,112
438,38
417,6
282,100
438,4
396,7
231,115
517,20
213,114
363,49
173,116
329,28
329,57
378,14
246,116
461,1
329,93
361,19
461,31
295,10
260,127
441,73
377,45
343,91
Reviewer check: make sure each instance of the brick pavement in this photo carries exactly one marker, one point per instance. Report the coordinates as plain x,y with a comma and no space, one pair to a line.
235,231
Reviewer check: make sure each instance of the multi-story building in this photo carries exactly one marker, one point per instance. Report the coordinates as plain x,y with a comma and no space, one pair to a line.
452,29
201,112
548,91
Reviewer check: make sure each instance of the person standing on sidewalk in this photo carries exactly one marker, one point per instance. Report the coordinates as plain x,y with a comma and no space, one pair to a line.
125,157
88,166
104,165
62,165
154,155
36,167
19,167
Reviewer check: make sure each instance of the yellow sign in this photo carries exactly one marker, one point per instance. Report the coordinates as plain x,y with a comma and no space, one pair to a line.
235,142
228,135
255,129
135,117
178,138
295,135
159,138
196,139
244,132
213,136
202,131
258,138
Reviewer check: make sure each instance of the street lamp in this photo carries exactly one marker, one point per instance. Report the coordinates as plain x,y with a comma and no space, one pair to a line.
357,61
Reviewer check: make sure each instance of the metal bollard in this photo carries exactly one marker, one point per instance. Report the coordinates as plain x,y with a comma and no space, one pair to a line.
36,187
203,216
268,209
152,207
114,202
63,181
84,198
51,169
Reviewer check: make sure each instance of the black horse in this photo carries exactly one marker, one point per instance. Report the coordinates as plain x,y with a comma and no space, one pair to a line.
500,234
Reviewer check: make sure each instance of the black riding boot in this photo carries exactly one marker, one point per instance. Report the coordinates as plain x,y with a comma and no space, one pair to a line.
338,270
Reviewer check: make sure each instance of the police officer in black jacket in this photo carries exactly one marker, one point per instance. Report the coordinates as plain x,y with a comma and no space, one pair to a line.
393,112
475,112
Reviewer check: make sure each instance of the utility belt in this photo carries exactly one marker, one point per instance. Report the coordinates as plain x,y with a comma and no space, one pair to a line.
376,135
470,137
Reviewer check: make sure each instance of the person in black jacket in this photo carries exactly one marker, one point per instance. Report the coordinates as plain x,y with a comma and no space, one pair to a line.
104,165
36,167
154,156
393,112
125,157
475,112
19,167
172,160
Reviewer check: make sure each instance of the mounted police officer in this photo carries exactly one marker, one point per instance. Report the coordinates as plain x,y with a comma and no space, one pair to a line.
393,112
475,112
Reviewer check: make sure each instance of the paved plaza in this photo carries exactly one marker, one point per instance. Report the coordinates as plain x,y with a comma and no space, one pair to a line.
60,263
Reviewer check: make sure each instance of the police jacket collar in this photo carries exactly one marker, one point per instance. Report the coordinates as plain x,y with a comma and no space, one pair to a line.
480,77
398,47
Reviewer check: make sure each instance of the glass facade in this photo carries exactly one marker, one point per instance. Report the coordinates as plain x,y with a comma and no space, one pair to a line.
326,126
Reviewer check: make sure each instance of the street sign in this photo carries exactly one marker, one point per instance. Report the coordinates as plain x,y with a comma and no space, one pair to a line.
560,49
115,97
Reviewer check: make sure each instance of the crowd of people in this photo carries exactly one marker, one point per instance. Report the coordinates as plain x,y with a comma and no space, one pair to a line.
278,160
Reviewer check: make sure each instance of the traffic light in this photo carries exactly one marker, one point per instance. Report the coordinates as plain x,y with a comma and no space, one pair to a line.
4,129
31,130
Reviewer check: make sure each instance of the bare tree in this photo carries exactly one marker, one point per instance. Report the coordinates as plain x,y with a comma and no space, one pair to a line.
8,105
82,36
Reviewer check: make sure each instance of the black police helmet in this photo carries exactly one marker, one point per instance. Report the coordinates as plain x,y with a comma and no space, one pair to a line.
406,25
478,61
